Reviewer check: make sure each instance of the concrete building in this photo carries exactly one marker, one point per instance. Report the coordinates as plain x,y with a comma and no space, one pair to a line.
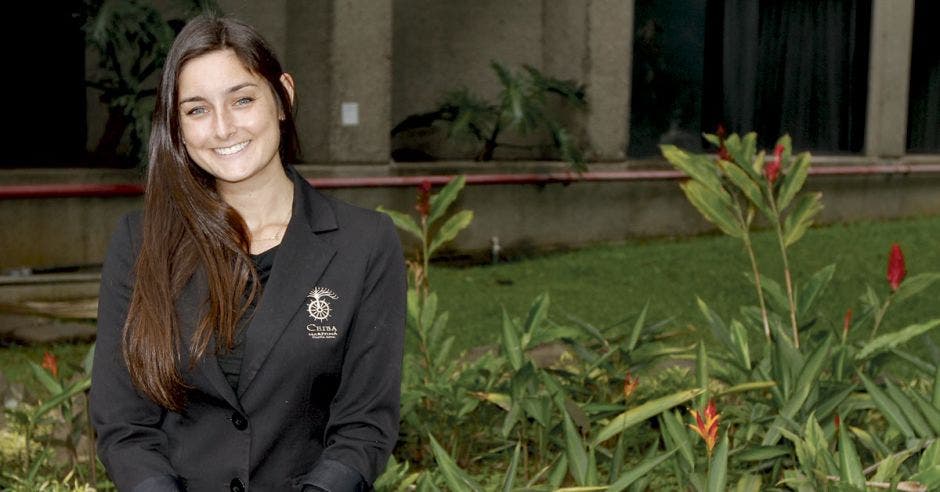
362,66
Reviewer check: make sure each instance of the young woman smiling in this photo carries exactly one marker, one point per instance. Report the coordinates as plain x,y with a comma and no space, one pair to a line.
250,329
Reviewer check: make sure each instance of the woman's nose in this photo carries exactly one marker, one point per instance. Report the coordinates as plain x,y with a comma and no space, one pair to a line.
224,124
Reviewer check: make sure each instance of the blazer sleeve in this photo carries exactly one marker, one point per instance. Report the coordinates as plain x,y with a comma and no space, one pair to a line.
363,423
131,444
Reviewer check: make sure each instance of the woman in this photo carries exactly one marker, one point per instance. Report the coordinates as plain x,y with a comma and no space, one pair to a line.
249,328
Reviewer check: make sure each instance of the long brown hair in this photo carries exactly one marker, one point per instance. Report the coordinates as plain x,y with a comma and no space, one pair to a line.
187,226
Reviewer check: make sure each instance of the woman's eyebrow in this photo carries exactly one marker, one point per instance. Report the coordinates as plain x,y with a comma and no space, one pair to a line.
234,88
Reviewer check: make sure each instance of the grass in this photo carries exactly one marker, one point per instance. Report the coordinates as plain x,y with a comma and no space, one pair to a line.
605,284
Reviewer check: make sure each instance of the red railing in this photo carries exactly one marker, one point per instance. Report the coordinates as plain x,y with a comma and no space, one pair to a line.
126,189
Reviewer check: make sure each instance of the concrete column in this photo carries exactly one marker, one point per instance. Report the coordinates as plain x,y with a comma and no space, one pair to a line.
888,77
607,74
361,81
269,18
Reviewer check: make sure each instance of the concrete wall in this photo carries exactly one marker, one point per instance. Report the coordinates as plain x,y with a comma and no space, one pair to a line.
75,231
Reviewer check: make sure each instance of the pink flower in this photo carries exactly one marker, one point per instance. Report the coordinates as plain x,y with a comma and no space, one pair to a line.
423,205
896,268
772,170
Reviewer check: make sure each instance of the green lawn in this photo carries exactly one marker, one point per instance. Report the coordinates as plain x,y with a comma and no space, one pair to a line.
605,284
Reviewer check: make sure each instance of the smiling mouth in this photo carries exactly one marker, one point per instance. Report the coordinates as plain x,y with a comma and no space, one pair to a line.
233,149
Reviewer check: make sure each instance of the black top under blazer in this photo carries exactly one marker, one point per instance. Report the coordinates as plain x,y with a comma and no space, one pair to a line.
318,398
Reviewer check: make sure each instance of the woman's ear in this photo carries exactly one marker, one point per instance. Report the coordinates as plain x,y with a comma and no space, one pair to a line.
288,82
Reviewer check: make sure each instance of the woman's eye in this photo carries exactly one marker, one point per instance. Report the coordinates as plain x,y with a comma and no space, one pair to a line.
196,110
244,101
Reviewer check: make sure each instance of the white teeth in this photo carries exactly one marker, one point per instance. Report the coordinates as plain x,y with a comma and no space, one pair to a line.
231,150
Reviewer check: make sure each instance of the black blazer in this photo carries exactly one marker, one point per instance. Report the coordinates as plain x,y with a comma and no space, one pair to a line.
317,401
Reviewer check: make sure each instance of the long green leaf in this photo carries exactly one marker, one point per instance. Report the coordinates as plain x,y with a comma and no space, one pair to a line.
67,393
511,472
638,328
537,314
456,479
815,286
762,453
850,466
46,379
679,436
749,483
699,169
639,414
744,387
450,229
930,412
511,344
748,187
887,407
574,449
701,373
638,471
892,340
718,467
403,222
793,180
913,416
715,206
801,217
805,383
914,285
442,200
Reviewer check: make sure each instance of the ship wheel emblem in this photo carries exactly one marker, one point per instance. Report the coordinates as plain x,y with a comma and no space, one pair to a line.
318,308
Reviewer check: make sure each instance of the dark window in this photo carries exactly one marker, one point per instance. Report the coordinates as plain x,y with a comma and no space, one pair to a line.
44,85
923,113
797,67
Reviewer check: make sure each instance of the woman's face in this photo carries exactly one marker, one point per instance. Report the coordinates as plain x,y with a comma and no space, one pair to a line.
229,117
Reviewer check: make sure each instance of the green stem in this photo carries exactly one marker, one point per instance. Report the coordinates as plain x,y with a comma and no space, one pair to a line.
425,260
745,226
760,291
786,266
879,315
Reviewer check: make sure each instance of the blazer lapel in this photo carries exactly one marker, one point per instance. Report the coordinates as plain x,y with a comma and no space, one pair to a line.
301,259
192,307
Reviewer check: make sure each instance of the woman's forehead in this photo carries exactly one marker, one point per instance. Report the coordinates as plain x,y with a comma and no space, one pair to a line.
214,73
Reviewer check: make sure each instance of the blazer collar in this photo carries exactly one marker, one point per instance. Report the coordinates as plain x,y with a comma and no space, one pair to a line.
302,257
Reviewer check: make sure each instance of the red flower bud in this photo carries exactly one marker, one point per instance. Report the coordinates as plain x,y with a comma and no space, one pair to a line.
846,322
423,205
50,363
896,268
630,384
772,170
722,150
837,421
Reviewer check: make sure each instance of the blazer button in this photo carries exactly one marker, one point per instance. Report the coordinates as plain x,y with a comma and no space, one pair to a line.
240,423
237,485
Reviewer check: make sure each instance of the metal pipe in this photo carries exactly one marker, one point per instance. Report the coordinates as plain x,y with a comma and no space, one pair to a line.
12,192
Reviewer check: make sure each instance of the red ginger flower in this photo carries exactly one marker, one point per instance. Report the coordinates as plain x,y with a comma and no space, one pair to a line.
896,269
707,427
772,170
423,206
630,384
50,363
722,150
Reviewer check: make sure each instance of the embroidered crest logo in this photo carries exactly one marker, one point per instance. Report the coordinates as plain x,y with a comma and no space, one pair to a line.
319,308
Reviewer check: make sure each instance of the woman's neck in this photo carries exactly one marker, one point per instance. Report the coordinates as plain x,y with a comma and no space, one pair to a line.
264,203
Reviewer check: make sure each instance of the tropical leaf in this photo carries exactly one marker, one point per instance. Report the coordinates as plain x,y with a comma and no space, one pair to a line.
403,222
805,383
699,168
887,407
640,413
801,217
457,479
715,206
718,467
892,340
793,180
638,471
442,200
850,466
450,229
